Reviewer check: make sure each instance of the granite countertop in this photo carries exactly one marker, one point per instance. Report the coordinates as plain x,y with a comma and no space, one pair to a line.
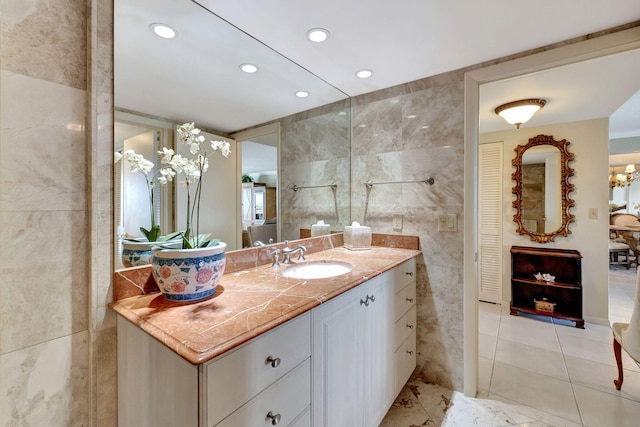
250,302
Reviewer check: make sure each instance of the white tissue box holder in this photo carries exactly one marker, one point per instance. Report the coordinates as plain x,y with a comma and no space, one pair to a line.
357,238
320,230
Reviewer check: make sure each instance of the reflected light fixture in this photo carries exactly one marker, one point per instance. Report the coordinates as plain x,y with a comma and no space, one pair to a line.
163,30
302,94
317,35
364,74
519,112
248,68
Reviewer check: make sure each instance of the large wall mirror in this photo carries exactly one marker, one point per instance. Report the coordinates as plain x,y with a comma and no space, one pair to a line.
542,188
196,76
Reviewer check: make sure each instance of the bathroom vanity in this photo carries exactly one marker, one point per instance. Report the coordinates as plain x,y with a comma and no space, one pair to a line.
273,350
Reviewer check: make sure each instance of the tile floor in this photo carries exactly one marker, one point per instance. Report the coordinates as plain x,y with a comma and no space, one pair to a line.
536,371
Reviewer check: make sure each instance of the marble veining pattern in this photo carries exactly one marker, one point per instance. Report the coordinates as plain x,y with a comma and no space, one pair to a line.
315,150
41,39
40,161
250,302
46,384
408,132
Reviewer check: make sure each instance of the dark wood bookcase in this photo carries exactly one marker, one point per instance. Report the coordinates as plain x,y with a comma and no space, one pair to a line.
565,291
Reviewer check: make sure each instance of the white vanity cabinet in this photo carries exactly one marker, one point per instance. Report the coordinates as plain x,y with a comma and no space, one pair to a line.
405,323
359,345
341,364
264,380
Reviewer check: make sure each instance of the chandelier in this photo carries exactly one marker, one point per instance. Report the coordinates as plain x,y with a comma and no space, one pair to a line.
624,179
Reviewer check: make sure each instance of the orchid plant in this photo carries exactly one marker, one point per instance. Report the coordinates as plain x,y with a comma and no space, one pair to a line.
138,163
192,169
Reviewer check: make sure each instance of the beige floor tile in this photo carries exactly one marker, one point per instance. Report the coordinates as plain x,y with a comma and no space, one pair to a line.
600,376
536,359
534,390
602,409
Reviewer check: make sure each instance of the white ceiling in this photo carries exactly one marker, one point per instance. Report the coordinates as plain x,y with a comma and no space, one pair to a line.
195,77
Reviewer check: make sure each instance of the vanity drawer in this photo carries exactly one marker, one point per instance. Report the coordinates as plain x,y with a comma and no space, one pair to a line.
304,420
233,379
404,327
286,399
404,274
404,361
403,300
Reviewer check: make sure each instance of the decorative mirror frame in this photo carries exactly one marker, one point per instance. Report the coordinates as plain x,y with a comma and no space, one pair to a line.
566,172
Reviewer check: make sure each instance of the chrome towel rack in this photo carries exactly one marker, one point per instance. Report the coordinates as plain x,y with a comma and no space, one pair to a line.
294,187
428,180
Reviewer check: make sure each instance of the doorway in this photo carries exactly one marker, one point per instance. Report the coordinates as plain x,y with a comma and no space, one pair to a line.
259,159
590,49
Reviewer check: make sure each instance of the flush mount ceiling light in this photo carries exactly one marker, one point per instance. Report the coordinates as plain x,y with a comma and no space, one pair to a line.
519,112
248,68
317,35
364,74
302,94
163,30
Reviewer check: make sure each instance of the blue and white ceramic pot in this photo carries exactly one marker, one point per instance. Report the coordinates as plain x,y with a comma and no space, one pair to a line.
135,253
139,251
188,275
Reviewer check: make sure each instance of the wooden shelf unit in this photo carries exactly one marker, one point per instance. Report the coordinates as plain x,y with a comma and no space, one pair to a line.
565,291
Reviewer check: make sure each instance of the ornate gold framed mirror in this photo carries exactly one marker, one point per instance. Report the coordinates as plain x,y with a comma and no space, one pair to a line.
542,188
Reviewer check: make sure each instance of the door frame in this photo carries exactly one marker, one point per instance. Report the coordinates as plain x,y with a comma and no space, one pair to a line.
621,41
247,135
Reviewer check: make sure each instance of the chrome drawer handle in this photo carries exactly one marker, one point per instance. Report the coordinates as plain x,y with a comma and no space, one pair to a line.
275,418
409,273
365,302
409,352
409,326
372,298
275,361
409,299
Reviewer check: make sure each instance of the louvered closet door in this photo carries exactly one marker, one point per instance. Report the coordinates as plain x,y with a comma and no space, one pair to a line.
490,222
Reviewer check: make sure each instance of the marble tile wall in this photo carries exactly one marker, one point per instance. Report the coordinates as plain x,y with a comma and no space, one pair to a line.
315,150
409,132
56,343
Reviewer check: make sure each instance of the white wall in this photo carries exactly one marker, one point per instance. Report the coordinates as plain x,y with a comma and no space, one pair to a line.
590,145
219,204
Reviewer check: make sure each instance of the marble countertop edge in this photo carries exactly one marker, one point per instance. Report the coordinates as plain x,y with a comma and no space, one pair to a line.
250,302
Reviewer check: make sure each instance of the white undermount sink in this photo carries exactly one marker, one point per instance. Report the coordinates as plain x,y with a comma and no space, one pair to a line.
317,270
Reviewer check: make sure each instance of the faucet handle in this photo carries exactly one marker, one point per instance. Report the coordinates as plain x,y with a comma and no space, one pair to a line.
303,249
276,257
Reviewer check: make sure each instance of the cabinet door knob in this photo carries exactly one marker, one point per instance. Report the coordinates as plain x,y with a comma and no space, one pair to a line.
372,298
275,418
409,352
275,361
409,326
365,301
409,299
409,273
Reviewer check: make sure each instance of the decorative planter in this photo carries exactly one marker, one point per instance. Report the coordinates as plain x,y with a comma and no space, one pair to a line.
139,252
188,275
136,253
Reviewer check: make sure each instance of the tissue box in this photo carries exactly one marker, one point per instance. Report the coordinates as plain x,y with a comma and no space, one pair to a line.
319,230
357,237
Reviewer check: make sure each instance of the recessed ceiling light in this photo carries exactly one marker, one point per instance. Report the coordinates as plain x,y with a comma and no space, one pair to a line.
163,30
302,94
248,68
364,74
317,35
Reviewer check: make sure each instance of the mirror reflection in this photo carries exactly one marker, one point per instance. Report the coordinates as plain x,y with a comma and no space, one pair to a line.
542,188
154,92
541,198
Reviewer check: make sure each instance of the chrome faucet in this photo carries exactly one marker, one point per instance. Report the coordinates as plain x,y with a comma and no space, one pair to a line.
276,257
287,251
